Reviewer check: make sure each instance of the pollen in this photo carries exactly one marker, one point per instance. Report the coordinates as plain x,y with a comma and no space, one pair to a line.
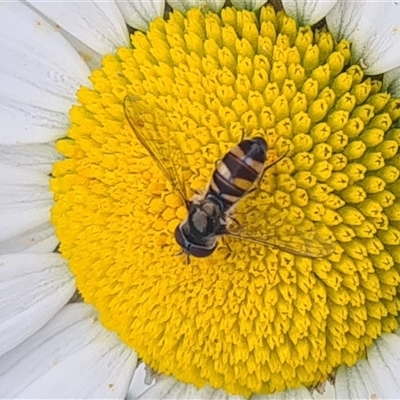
250,318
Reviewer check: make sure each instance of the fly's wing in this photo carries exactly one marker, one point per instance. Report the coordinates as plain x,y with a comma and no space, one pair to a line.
312,248
166,152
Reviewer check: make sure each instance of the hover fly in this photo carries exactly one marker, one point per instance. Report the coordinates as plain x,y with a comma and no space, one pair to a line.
235,176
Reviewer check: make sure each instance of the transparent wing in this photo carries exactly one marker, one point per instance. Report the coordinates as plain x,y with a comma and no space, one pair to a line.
156,139
312,248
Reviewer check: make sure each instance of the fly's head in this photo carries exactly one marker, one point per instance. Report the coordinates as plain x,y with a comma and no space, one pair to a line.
197,235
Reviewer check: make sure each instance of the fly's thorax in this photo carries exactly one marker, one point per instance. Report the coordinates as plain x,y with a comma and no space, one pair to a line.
205,219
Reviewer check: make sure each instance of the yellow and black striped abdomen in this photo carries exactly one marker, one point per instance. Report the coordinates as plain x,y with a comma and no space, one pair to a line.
237,171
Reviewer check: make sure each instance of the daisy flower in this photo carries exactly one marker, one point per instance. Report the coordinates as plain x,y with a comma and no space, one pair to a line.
91,282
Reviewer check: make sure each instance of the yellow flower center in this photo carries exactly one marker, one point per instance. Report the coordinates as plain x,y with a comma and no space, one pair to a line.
249,318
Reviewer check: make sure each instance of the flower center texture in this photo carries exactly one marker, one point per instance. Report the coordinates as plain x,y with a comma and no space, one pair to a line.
249,318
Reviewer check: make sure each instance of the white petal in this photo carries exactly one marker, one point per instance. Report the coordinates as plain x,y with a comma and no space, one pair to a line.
308,12
138,384
161,390
25,123
185,5
25,200
91,57
391,82
326,392
38,157
373,28
169,388
73,356
97,24
248,4
355,382
139,13
22,185
384,360
377,377
33,288
40,239
295,394
39,75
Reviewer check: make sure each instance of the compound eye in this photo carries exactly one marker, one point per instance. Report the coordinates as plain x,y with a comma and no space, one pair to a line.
190,248
200,252
181,239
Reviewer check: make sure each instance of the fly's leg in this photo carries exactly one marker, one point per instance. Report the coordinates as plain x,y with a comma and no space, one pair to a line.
271,165
187,256
226,223
236,222
243,134
226,243
199,192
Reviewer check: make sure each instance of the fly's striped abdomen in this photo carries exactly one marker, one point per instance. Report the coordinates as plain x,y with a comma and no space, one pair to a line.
237,171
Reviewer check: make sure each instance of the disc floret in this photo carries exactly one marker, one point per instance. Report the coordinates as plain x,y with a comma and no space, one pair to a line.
248,319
